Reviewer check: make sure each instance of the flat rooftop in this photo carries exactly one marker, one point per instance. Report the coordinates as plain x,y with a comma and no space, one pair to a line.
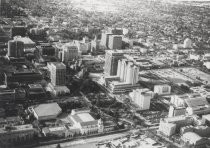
25,40
47,109
58,65
195,102
54,129
83,117
175,119
35,86
19,128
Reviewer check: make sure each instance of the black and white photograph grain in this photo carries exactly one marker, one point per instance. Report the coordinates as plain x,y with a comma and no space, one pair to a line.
104,73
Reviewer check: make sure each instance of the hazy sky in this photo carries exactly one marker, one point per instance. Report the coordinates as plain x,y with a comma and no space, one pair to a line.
190,0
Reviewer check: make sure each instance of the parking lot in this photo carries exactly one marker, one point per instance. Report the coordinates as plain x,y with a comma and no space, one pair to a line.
196,74
172,75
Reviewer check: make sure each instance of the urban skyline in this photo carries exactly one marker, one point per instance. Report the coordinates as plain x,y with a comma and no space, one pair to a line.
104,74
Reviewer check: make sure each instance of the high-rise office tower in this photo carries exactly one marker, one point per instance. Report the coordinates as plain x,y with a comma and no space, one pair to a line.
142,98
127,71
15,48
111,62
70,52
115,42
57,73
105,39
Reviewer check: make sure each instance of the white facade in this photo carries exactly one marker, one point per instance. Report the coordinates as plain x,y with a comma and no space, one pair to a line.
45,111
85,122
58,90
206,57
176,111
127,71
121,87
70,52
111,61
83,46
194,57
168,129
142,98
207,64
187,43
179,100
162,89
57,73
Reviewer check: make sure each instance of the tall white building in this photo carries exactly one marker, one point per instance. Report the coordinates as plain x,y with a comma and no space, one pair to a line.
57,73
70,51
127,71
111,62
105,39
142,98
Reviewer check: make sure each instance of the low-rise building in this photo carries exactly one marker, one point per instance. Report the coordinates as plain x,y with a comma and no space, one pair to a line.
7,95
206,119
58,131
194,57
162,89
29,45
195,140
194,103
35,91
83,46
12,121
46,50
206,57
45,111
167,125
93,64
109,126
117,87
176,111
85,122
25,76
197,106
201,90
58,90
168,129
20,133
207,64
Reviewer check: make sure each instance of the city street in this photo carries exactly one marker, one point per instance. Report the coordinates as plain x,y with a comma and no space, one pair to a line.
88,142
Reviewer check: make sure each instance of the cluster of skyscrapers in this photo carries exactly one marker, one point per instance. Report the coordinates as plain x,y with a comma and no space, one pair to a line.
127,71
